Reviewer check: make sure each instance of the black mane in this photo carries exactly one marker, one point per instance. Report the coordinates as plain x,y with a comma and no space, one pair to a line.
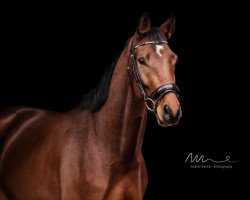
95,98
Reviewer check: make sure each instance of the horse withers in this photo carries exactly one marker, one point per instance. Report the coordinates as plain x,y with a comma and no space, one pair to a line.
93,152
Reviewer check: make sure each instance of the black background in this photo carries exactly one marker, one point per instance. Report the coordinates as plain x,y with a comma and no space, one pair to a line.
51,55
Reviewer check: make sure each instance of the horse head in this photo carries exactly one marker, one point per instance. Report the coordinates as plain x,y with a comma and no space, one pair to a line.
153,65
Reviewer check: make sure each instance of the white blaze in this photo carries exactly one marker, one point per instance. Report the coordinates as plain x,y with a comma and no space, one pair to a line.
159,48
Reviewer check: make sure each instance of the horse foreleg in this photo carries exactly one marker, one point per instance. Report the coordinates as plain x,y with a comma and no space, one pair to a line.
128,186
124,189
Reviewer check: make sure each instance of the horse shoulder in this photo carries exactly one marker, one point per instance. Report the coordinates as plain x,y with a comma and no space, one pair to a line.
29,127
13,117
31,139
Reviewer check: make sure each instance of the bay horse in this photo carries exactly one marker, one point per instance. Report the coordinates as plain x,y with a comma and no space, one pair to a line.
93,152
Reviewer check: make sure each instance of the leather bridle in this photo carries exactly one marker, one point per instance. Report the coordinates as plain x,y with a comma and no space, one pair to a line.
152,100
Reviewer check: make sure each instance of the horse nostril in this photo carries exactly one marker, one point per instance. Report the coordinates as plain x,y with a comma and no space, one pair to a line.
167,114
167,110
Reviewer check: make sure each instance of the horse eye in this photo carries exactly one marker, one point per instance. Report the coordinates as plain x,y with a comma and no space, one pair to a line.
141,60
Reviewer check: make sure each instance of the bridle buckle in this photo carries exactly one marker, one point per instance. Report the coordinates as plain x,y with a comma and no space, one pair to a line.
150,104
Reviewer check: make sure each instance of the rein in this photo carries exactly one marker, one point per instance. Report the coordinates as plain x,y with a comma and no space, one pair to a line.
152,100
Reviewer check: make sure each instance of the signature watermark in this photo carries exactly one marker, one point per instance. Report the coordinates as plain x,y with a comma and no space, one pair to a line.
200,161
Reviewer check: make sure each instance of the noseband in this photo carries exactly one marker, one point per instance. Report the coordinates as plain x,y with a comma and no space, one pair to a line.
152,100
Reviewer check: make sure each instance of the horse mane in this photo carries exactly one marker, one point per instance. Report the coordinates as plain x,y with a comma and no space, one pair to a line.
96,97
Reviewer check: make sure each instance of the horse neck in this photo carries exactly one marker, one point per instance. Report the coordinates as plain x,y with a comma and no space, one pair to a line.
120,124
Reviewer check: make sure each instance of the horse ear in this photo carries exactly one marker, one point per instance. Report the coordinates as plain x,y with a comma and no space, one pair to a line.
143,26
168,26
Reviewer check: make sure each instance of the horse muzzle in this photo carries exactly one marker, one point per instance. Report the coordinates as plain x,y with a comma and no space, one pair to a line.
168,118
